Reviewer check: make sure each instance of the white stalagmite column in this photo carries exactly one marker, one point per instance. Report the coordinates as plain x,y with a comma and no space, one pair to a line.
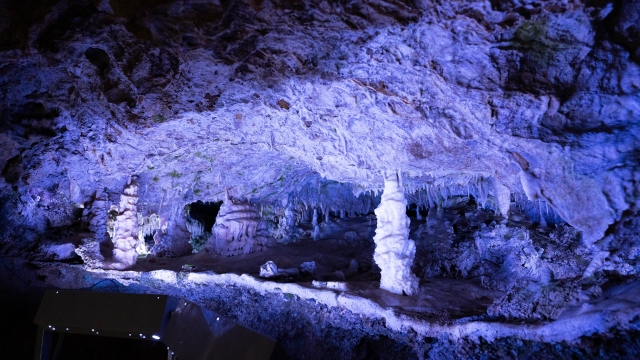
125,238
394,251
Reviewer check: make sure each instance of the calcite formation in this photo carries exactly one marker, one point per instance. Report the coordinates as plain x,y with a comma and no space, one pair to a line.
147,226
515,122
125,238
394,250
239,229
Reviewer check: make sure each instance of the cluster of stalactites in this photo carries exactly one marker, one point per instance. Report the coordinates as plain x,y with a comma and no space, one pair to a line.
332,196
487,191
147,226
301,210
537,211
195,227
350,200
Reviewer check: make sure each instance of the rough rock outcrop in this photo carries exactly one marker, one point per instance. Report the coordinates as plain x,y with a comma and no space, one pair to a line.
239,229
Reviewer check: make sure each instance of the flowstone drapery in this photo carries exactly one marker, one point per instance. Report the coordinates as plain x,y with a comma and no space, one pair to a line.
394,251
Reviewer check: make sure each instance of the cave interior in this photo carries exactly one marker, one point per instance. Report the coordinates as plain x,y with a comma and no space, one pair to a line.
382,179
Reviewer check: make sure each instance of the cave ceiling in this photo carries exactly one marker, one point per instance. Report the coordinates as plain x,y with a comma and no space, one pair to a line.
273,98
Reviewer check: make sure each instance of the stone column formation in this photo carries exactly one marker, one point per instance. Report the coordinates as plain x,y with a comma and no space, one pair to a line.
394,251
239,229
126,232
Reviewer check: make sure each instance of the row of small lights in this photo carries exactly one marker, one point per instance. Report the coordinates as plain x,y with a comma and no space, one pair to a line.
155,337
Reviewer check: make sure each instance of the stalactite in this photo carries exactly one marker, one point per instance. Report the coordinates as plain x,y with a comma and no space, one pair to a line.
147,226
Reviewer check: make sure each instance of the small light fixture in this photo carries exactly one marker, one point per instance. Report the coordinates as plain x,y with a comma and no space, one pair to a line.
49,326
129,334
67,329
155,337
53,328
217,319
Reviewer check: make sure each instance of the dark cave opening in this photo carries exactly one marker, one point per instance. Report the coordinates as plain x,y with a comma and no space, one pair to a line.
205,213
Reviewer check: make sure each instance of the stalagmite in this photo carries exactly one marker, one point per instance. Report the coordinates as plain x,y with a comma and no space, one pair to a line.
98,216
125,236
290,216
239,229
543,221
394,251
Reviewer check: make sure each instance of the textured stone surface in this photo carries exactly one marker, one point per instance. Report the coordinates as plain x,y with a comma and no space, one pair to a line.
516,123
195,97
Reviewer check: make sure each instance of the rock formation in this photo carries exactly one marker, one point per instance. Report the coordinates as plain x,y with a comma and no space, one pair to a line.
239,229
515,122
394,251
125,237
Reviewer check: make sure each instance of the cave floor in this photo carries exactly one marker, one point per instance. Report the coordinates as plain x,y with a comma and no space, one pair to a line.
439,299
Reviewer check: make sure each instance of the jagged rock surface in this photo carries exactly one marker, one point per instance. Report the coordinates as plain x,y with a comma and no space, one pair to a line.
514,90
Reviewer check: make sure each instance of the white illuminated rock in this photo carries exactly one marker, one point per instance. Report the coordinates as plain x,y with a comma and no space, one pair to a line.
125,236
394,251
268,269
